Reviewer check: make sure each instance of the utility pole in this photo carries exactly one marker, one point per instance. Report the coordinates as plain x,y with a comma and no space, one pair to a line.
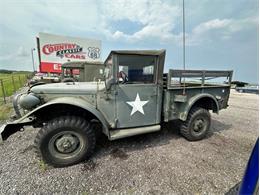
33,49
183,40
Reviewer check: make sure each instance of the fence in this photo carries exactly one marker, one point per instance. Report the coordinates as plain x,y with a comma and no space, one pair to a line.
10,84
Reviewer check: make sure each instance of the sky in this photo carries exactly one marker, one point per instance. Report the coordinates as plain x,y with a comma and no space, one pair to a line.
220,34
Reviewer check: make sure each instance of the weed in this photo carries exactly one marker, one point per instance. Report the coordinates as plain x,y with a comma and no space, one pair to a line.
43,166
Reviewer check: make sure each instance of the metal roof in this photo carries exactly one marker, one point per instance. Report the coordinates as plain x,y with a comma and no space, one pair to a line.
139,52
81,64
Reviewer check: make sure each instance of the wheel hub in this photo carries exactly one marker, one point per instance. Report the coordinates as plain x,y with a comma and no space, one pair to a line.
66,143
198,125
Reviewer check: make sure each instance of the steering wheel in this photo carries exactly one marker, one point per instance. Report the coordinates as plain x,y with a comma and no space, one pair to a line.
124,76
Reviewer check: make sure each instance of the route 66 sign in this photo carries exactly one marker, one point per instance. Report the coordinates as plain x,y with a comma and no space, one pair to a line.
93,52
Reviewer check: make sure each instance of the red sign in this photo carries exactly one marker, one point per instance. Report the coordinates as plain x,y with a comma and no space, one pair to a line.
50,67
54,50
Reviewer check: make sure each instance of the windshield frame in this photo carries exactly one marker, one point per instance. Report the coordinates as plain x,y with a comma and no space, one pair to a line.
109,70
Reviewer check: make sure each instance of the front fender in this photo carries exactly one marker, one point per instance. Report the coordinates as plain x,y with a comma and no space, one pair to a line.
79,102
193,100
28,118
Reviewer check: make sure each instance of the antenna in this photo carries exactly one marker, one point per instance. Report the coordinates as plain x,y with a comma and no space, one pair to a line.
183,34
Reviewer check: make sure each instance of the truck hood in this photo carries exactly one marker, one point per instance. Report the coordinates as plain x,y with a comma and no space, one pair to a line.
69,88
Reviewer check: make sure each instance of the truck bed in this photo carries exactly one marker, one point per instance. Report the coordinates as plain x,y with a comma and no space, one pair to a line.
182,87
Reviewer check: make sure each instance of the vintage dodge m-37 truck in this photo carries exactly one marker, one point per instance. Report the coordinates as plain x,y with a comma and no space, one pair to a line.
136,97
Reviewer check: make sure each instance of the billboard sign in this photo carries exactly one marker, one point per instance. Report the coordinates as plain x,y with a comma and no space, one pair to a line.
56,50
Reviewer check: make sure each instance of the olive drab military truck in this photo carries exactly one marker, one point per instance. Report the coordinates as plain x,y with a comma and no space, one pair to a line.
82,71
136,97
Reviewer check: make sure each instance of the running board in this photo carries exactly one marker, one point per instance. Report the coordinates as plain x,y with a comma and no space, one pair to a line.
122,133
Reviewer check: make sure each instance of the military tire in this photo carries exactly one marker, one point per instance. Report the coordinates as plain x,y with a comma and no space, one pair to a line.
65,141
197,125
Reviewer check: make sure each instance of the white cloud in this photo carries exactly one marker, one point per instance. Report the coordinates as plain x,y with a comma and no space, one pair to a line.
143,11
218,29
158,19
211,25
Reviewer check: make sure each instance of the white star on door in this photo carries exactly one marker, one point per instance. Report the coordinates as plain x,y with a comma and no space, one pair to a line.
137,105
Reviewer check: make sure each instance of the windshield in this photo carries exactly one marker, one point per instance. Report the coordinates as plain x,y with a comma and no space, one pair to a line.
70,73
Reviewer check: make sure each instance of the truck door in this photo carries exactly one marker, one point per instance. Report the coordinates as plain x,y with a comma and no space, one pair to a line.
137,92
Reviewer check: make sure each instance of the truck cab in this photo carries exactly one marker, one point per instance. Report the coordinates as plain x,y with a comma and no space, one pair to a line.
133,88
82,71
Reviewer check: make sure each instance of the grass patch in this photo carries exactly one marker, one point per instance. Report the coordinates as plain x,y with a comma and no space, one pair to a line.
5,111
12,82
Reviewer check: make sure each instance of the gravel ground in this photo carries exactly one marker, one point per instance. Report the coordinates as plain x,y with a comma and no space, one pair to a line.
157,163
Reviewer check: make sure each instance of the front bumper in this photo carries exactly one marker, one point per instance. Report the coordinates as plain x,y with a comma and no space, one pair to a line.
10,128
7,130
22,104
1,130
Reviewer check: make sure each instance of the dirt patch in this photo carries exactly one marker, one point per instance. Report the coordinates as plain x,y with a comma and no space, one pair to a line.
88,165
118,153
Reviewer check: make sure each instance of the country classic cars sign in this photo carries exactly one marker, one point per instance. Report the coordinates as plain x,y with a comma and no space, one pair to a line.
55,50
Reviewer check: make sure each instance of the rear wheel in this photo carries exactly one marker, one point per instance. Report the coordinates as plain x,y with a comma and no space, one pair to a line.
197,125
65,141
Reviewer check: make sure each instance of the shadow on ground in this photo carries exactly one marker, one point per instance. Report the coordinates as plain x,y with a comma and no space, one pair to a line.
170,131
218,126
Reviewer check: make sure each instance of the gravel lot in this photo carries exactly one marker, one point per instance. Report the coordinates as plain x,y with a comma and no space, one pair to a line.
157,163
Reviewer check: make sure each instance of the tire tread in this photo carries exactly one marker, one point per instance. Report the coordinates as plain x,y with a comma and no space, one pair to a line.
184,130
71,121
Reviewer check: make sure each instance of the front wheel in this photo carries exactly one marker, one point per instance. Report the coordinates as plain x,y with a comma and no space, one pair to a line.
65,141
197,125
